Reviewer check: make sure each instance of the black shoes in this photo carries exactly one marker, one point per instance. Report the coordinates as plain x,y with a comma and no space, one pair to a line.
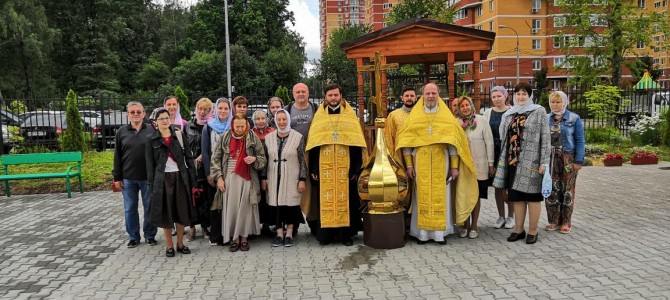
132,244
183,250
532,239
278,241
152,242
288,242
442,242
516,236
420,242
169,252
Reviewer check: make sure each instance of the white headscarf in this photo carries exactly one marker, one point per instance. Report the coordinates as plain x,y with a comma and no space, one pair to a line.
288,124
566,101
519,109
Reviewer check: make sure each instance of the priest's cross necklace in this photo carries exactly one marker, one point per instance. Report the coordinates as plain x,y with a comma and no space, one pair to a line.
430,123
335,126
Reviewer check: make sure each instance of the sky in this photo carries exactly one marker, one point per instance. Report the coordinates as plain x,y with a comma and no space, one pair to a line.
306,13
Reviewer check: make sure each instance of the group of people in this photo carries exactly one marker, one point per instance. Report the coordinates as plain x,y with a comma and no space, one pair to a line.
300,163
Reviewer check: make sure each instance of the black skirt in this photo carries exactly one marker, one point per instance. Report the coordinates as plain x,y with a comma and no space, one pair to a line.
483,188
176,205
285,215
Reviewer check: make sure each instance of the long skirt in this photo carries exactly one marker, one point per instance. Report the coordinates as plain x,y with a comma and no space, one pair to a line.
239,217
286,215
561,202
176,205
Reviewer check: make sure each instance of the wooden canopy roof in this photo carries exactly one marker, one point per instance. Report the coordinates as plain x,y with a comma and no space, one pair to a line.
421,41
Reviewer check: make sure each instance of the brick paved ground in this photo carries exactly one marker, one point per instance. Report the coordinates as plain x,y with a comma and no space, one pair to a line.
75,248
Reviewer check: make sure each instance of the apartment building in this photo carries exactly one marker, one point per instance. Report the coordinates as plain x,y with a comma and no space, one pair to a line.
334,14
376,12
526,32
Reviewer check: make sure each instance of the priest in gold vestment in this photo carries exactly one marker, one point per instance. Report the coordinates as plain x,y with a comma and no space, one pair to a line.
436,152
335,145
394,122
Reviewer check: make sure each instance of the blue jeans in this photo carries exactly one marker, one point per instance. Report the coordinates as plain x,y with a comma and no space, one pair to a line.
131,190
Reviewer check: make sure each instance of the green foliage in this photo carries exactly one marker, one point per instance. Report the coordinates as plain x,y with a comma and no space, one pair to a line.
641,64
335,67
184,108
541,83
73,136
201,74
665,127
16,107
544,100
646,131
152,75
607,134
603,101
433,9
607,45
282,93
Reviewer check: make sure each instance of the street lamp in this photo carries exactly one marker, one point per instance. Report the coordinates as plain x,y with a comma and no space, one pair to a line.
517,49
230,88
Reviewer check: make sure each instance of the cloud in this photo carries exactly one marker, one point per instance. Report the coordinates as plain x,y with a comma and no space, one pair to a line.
306,13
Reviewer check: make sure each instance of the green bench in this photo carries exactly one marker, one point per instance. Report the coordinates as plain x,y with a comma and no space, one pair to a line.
73,170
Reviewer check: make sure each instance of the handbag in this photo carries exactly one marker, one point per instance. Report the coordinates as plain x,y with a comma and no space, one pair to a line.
500,178
546,183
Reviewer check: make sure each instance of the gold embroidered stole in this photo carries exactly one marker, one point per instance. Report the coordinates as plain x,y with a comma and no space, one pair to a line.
334,185
431,188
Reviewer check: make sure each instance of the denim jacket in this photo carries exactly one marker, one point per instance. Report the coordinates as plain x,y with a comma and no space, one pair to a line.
572,131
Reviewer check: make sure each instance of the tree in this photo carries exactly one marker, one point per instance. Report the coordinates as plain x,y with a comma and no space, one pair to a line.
282,93
201,74
432,9
596,38
644,63
335,67
152,75
541,83
26,41
184,107
73,136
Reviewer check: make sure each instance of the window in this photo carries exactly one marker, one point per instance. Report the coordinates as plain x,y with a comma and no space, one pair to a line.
481,67
657,4
461,14
508,84
388,5
664,3
537,4
559,21
558,61
597,20
640,45
491,5
641,3
481,87
537,24
479,11
537,64
490,66
479,27
491,26
656,61
663,61
536,45
556,85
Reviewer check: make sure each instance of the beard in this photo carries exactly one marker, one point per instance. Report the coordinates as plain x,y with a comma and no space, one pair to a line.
410,105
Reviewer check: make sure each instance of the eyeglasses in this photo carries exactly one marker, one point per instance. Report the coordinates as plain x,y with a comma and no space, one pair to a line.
163,119
135,112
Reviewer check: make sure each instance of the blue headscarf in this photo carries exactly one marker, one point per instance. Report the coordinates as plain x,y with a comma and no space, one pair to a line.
220,126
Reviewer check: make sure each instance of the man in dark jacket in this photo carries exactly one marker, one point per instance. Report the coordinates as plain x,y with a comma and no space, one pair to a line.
130,170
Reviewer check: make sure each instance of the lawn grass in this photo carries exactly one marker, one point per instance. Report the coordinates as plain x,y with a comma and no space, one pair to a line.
97,175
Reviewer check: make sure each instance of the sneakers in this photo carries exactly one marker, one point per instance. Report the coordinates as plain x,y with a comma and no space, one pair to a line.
500,223
278,241
509,223
152,242
473,234
132,244
288,242
463,233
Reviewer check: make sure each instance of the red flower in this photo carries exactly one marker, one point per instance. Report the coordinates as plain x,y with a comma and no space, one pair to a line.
641,155
613,156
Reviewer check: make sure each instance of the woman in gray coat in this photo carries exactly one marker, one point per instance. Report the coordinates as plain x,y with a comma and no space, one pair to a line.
170,176
524,132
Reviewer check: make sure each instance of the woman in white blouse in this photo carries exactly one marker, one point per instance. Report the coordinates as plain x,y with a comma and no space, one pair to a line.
480,138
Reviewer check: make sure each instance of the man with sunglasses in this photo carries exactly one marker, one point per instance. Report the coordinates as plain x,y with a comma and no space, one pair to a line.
130,171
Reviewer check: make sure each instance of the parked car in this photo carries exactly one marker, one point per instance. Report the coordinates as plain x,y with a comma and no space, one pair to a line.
105,131
9,121
27,115
92,117
45,129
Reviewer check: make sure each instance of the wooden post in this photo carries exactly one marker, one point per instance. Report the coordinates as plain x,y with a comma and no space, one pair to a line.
361,95
426,72
451,60
384,91
475,78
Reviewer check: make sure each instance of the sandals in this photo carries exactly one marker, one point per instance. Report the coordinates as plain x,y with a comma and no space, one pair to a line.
234,247
565,229
551,227
244,246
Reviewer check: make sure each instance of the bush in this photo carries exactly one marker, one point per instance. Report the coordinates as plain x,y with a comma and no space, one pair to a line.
73,136
647,131
184,108
282,93
665,127
607,134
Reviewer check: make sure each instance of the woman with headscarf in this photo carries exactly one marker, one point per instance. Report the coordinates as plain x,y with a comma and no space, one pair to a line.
480,140
170,175
523,160
494,115
238,157
567,157
172,105
286,176
203,114
261,129
211,134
